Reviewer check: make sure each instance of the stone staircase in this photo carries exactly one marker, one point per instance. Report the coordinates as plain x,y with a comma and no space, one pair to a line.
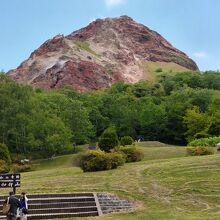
57,206
111,203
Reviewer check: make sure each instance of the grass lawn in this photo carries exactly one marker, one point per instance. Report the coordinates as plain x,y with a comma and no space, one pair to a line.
165,185
154,150
57,162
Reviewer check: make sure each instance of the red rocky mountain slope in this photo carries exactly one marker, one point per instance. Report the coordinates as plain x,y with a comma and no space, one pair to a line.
94,57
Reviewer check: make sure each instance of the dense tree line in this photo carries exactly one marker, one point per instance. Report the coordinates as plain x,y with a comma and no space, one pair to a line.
175,108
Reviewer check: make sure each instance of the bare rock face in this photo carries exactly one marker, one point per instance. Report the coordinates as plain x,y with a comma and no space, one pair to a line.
95,57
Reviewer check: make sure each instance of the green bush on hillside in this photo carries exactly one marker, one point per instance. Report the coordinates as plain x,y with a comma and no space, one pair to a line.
198,151
94,161
210,142
126,140
97,160
4,167
83,45
4,154
132,154
17,168
108,140
159,70
115,159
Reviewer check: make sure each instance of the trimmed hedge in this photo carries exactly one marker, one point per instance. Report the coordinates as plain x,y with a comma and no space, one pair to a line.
211,142
126,140
201,150
116,159
97,160
108,140
132,154
17,168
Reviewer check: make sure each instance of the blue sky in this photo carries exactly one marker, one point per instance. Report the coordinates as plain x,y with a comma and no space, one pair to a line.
192,26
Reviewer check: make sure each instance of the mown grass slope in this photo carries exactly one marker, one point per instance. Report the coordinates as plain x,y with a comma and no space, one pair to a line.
165,185
151,68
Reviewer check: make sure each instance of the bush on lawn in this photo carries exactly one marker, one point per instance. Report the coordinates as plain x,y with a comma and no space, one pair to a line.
126,140
108,140
4,167
132,154
97,160
116,159
200,150
210,142
17,168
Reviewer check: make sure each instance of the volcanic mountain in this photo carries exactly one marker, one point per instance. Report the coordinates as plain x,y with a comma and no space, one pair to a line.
95,57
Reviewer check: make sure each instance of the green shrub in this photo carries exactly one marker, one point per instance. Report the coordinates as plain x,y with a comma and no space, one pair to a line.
93,161
126,140
159,70
17,168
199,150
116,159
4,154
108,140
210,142
132,154
97,160
16,158
83,45
4,167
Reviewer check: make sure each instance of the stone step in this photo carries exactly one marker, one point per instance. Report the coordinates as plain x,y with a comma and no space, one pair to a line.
55,206
61,200
51,206
114,202
64,204
111,203
60,195
117,207
58,205
60,210
58,200
58,215
63,210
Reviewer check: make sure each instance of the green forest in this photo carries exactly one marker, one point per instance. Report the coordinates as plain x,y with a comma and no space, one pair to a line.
174,109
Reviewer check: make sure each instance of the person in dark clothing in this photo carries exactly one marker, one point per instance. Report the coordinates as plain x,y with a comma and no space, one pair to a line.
23,206
14,205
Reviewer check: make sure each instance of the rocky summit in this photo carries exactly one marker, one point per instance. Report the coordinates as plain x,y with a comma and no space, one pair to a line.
95,57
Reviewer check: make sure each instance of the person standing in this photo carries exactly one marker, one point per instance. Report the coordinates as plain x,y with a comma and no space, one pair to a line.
14,205
23,206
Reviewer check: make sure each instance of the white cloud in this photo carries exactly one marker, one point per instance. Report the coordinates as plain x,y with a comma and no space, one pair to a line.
112,3
200,54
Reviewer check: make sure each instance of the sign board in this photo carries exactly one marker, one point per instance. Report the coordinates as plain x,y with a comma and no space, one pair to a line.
9,184
10,180
10,176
